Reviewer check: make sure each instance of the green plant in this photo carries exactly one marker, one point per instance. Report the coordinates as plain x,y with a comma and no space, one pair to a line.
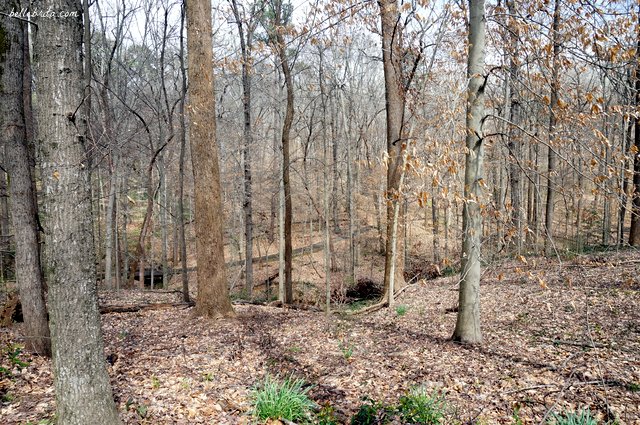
581,417
285,399
372,412
347,349
7,397
13,352
142,410
185,383
419,406
327,415
207,376
295,349
155,382
401,310
516,416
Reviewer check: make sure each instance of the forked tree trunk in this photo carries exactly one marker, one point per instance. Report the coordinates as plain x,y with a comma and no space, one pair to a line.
23,207
213,293
82,386
468,323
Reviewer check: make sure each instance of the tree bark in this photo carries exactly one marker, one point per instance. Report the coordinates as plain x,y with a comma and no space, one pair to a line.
395,102
276,37
552,156
246,50
83,392
183,149
23,207
634,231
468,322
213,293
515,142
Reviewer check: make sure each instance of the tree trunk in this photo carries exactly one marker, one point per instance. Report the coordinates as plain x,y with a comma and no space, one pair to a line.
5,230
82,386
183,148
552,156
110,221
624,184
246,49
515,143
395,101
23,207
468,323
634,231
436,228
286,157
213,300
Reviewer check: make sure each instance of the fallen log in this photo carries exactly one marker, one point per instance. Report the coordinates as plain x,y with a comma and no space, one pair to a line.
106,309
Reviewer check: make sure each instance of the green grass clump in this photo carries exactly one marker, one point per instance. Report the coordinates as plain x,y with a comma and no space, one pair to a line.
421,407
401,310
282,400
581,417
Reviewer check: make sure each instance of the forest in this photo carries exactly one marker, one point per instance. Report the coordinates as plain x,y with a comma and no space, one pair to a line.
320,212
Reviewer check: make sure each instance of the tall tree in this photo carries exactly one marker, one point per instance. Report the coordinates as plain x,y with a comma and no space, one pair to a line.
83,392
634,231
183,151
213,299
552,156
277,15
245,31
468,323
23,207
513,108
395,105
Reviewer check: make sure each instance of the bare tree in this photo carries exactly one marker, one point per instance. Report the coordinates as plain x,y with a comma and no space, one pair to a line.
213,300
468,323
552,157
246,27
81,381
23,206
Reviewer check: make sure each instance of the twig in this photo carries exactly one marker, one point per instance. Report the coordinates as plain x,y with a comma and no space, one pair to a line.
576,343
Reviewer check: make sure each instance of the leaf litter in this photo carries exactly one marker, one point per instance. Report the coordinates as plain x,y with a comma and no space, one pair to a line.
557,336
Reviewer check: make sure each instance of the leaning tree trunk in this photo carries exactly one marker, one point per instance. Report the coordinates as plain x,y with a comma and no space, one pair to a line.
213,293
23,207
83,392
468,323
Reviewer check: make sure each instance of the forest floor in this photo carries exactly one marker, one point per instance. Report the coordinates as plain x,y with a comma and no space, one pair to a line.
557,335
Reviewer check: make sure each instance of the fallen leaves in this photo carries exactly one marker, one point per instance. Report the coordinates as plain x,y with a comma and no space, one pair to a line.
567,346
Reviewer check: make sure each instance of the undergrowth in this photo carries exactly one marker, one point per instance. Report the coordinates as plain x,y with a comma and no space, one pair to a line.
285,399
